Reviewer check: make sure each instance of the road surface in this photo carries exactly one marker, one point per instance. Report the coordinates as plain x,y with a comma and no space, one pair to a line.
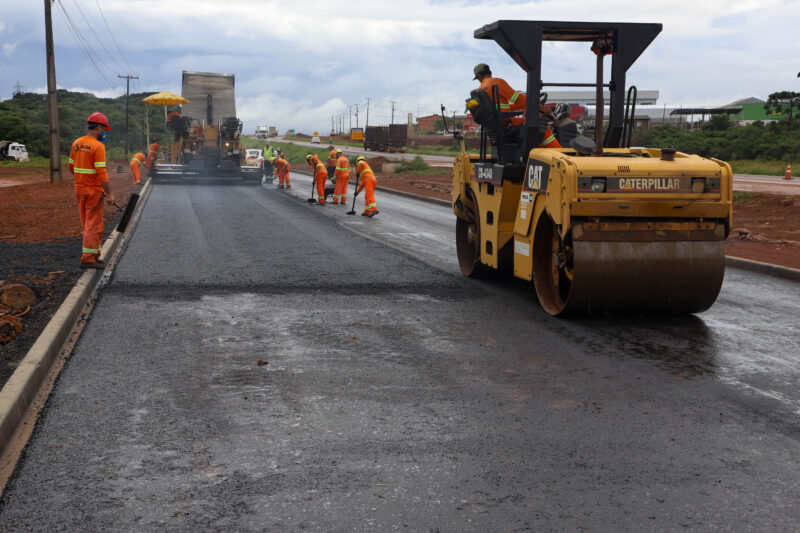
397,394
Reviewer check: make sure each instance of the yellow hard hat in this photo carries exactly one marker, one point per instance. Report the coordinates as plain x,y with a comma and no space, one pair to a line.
271,159
338,151
361,158
308,157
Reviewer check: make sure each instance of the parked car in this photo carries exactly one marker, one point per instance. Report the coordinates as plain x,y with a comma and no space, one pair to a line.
253,158
12,151
314,140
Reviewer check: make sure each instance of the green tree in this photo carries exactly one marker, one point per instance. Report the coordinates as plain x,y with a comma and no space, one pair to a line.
718,123
783,101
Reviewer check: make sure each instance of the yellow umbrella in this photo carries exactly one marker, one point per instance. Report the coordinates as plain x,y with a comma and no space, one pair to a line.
165,99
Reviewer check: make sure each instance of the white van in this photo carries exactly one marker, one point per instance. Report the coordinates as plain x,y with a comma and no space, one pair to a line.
13,151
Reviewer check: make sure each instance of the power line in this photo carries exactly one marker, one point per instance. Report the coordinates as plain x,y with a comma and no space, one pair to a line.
91,29
125,59
82,44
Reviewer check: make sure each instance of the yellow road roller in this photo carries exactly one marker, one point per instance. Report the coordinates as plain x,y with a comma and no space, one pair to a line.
600,227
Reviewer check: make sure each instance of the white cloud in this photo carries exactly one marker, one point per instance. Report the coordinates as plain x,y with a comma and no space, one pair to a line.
298,63
9,48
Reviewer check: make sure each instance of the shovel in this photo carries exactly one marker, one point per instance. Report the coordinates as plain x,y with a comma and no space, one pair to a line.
312,200
126,216
355,194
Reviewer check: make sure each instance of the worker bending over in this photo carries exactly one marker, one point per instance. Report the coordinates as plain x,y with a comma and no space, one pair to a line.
152,155
367,183
342,178
87,162
136,167
282,167
320,176
331,164
511,101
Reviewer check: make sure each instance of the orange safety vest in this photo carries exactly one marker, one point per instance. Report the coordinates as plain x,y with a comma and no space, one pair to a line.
87,162
549,140
342,168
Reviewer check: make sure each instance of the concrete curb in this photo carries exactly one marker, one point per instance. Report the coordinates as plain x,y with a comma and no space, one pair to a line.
777,271
21,388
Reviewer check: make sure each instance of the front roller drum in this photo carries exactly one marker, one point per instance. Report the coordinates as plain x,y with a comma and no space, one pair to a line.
619,277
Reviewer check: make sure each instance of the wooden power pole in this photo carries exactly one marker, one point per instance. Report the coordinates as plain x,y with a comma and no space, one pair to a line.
52,98
127,94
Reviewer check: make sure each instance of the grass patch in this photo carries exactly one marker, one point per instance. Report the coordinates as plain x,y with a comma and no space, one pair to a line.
419,167
756,166
740,197
35,162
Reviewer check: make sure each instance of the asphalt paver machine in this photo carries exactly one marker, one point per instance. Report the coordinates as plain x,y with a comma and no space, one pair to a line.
597,226
210,146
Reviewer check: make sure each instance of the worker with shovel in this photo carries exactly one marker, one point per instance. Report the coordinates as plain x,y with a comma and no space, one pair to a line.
320,177
282,167
87,162
342,171
368,182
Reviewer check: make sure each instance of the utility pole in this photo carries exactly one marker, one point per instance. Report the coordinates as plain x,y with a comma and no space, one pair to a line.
356,115
366,124
52,98
127,94
350,113
17,89
332,127
393,103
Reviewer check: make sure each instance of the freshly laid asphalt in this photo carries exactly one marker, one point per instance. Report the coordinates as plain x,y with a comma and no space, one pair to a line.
395,394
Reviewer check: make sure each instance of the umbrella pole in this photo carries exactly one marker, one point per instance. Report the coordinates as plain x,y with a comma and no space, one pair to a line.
147,123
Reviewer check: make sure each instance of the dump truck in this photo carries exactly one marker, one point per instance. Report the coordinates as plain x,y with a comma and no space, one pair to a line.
392,138
207,140
598,226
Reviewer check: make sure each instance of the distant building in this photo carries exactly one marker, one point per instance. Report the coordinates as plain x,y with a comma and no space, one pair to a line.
588,98
428,123
752,109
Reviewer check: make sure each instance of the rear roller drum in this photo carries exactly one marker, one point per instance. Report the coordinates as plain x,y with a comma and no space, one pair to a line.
468,246
552,267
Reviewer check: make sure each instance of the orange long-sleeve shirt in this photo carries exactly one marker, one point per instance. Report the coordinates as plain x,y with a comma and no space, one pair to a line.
510,100
364,171
87,162
342,168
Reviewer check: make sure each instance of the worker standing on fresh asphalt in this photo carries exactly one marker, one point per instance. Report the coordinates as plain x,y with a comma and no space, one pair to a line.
136,167
87,162
282,167
320,176
367,183
511,100
342,178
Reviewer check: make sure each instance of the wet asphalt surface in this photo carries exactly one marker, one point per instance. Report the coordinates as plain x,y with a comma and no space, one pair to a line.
398,395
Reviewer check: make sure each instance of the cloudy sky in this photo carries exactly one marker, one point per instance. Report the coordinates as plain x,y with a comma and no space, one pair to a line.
297,63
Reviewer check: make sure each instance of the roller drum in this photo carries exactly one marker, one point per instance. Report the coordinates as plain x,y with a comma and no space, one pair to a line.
645,277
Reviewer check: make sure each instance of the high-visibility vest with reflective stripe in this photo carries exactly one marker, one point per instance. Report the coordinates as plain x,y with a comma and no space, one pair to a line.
87,162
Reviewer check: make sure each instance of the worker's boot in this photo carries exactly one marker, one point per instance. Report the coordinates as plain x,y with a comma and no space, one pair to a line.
373,213
97,265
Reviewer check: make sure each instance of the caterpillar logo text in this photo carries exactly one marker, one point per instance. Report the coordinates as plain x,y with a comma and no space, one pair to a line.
536,177
650,184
